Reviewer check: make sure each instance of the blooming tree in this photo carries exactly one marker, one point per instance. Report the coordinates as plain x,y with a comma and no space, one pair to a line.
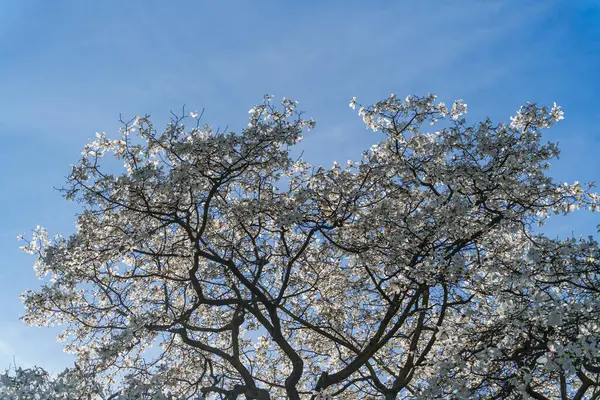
35,383
218,266
71,384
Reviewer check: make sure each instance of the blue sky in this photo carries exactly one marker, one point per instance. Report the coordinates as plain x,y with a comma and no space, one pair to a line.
68,68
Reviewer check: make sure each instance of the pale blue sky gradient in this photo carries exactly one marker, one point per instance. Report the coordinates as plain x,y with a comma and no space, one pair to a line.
68,68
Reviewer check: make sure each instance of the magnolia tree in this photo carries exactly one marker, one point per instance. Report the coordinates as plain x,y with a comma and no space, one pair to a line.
35,383
71,384
217,266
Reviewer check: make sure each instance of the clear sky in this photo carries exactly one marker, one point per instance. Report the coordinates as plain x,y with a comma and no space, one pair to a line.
68,68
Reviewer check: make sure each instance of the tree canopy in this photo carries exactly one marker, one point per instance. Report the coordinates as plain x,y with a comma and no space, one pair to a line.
218,266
